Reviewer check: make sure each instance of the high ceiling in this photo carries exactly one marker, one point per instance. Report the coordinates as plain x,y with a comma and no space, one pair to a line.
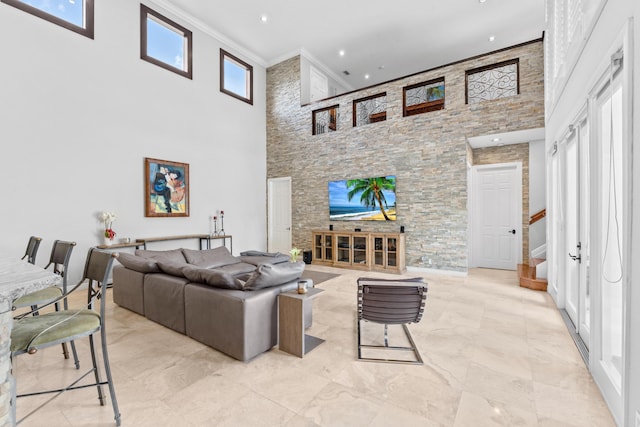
382,39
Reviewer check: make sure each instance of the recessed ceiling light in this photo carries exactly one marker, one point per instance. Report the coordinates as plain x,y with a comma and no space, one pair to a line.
366,76
264,18
381,67
482,1
341,52
495,139
492,38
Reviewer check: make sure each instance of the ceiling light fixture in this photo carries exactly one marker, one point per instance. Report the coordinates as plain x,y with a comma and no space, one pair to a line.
482,1
492,38
495,139
341,52
264,18
366,76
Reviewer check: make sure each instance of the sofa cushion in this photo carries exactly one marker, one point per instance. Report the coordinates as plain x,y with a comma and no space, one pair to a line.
215,278
173,255
239,269
264,259
210,258
172,268
267,275
139,264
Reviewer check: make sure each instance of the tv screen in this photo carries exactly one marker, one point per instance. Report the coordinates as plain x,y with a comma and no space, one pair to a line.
368,199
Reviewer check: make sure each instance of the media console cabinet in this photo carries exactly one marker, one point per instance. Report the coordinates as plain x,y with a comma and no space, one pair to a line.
359,250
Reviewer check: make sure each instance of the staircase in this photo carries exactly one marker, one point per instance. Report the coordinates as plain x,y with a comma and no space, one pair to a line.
534,274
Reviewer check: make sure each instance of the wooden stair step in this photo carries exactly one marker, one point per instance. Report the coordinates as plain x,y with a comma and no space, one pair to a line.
527,275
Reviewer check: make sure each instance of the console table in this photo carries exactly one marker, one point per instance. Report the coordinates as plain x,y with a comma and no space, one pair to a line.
17,278
205,241
291,309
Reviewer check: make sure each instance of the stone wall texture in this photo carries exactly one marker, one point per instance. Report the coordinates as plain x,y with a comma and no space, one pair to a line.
428,153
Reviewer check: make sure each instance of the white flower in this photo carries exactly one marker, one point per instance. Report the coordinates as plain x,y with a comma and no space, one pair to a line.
108,217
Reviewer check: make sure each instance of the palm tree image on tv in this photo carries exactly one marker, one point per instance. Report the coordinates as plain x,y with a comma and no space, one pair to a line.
366,199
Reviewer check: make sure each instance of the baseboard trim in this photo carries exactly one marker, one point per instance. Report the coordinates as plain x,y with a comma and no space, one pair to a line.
437,271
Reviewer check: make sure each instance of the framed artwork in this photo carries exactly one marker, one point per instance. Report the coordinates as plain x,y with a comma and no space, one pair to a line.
166,188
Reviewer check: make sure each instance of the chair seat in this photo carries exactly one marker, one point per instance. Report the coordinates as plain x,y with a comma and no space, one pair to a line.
52,328
40,297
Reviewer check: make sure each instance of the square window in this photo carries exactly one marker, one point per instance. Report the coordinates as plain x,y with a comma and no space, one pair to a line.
325,120
423,97
371,109
236,77
165,43
74,15
496,81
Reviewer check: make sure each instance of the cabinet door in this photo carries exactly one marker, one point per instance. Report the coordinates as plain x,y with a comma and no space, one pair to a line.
328,247
360,246
318,249
392,252
343,249
378,257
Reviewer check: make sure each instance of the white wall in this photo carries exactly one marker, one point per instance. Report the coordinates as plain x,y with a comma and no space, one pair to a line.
78,116
616,14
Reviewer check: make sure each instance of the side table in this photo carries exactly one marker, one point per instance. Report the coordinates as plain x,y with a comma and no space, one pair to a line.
291,309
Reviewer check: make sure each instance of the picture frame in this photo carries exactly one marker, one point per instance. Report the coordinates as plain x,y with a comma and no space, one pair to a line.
166,188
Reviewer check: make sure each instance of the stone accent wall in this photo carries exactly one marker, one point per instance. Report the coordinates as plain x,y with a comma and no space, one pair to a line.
6,414
427,152
508,154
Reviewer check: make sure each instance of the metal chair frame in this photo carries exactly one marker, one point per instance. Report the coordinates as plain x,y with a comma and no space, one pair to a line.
59,259
96,274
32,249
391,302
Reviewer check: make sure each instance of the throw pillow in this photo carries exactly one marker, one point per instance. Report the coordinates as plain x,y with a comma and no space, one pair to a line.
215,278
136,263
268,275
173,255
210,258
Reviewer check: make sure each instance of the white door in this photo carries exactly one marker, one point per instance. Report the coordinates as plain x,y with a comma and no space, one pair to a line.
611,149
571,230
279,233
497,215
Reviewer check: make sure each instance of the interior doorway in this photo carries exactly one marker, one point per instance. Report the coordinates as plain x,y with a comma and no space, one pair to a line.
279,222
496,238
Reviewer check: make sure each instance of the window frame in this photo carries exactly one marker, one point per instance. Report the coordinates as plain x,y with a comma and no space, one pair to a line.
145,11
88,9
249,69
367,98
428,107
515,61
335,107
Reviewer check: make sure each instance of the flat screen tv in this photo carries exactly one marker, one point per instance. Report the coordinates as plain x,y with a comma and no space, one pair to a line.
368,199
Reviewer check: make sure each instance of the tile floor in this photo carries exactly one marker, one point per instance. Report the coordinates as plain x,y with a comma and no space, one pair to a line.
495,355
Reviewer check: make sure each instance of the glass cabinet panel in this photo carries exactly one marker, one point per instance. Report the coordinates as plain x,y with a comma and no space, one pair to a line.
378,251
343,249
328,247
317,246
392,252
360,250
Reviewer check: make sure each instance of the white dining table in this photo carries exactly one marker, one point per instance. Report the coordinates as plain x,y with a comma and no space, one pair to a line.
17,278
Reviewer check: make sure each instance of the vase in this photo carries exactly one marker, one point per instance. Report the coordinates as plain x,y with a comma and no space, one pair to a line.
107,241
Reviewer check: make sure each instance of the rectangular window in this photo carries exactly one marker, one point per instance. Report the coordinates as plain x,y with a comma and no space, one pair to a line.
74,15
325,120
495,81
236,77
165,43
423,97
371,109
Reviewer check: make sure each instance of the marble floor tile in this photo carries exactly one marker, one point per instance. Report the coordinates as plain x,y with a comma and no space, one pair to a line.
495,355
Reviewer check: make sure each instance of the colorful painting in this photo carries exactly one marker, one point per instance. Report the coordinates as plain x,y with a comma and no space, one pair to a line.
166,188
369,199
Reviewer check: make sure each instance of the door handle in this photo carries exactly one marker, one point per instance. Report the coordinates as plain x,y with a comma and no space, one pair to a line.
512,231
576,257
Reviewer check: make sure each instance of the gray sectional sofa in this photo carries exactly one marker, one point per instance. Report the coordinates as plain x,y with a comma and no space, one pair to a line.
226,302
